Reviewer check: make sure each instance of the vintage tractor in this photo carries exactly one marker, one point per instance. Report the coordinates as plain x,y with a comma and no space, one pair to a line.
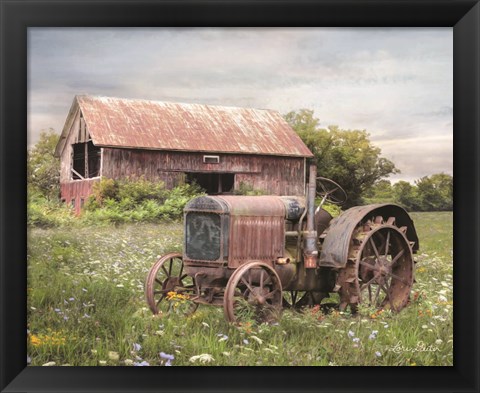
254,255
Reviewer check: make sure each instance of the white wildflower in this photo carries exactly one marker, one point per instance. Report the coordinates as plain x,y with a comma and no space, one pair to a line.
113,355
257,339
49,364
203,358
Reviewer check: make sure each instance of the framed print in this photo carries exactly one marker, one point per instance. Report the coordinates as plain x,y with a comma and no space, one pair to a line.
93,280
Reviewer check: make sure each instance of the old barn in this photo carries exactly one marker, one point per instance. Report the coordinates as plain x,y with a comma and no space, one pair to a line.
218,147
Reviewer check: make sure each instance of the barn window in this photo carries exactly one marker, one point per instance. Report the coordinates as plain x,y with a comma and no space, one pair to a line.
211,159
213,183
85,160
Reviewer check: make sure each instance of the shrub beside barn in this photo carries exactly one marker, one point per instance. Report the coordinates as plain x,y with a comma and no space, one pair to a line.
220,148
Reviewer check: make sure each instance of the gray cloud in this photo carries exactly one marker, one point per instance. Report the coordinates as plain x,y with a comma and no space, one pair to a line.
395,82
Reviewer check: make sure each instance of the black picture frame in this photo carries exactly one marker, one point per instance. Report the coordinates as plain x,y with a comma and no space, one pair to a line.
17,16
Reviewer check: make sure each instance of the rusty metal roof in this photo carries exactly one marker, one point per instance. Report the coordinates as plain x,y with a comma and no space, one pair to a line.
142,124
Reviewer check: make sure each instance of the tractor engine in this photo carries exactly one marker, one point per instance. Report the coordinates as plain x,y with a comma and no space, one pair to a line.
230,230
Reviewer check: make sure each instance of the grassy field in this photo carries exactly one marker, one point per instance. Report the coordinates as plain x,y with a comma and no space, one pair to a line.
86,308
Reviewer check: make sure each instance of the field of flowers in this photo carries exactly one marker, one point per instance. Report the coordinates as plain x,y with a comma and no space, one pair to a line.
86,308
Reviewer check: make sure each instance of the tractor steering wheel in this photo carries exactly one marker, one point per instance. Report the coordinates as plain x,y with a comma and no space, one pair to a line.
331,191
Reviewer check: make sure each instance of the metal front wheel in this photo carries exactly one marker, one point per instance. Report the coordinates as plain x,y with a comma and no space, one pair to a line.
253,293
167,284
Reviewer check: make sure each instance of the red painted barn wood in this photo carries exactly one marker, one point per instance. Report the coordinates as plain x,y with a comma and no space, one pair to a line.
220,148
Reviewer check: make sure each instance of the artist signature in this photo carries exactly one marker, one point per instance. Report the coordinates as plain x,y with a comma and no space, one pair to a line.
419,347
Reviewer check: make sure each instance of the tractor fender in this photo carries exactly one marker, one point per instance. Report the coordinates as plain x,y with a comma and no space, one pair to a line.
338,239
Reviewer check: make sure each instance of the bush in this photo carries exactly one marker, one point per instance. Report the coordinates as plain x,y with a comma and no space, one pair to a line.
136,200
45,213
115,202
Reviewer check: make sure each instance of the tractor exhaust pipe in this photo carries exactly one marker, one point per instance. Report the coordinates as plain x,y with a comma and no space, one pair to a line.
310,250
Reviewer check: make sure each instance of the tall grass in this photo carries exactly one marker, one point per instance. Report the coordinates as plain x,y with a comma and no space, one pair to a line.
86,307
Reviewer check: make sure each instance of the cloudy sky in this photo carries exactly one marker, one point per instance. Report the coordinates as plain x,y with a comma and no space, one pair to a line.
396,83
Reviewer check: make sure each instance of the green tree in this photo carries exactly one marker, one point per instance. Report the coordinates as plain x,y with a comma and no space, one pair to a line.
346,156
406,195
435,192
43,168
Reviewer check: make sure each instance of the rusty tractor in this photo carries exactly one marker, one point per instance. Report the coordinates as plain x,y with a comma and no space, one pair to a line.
255,255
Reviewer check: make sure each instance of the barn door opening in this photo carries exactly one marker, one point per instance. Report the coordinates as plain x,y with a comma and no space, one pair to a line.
213,183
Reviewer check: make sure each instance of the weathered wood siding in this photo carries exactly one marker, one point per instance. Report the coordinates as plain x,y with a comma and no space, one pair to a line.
274,175
78,190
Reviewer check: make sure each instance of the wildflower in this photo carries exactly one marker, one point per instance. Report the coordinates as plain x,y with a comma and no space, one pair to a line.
57,310
113,355
35,340
351,334
141,364
164,355
93,351
227,354
29,359
378,354
205,324
203,358
356,340
86,315
168,363
48,364
245,341
223,337
373,335
258,340
439,341
71,299
128,362
84,290
137,347
385,326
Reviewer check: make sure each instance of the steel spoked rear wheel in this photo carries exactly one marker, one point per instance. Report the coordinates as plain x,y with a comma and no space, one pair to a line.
167,285
380,270
253,293
385,268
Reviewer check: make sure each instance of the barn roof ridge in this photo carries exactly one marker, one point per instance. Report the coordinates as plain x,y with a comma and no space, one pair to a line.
159,125
100,97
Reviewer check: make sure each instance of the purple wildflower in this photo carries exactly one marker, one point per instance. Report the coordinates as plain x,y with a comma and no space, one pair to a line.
137,347
144,363
164,355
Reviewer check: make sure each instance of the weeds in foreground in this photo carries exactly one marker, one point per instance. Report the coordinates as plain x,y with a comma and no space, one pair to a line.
86,308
